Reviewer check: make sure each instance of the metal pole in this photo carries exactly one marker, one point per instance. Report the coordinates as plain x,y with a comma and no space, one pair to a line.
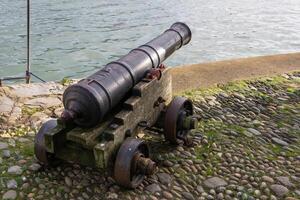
28,43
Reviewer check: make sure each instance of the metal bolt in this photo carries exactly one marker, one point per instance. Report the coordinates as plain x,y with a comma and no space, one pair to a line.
193,123
146,165
190,122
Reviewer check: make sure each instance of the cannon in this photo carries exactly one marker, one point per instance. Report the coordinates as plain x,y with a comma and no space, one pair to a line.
105,113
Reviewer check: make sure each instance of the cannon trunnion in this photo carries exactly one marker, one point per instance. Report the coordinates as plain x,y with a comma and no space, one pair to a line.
112,143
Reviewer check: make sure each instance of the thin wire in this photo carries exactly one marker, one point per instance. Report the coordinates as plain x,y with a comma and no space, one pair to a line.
37,77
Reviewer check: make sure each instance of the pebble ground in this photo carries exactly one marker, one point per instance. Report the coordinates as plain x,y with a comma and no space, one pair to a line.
247,146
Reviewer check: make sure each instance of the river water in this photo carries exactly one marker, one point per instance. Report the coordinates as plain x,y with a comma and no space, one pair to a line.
75,38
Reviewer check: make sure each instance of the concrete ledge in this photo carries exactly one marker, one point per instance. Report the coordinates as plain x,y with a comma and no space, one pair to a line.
203,75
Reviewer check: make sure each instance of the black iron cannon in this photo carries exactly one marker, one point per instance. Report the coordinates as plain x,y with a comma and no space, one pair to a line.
105,112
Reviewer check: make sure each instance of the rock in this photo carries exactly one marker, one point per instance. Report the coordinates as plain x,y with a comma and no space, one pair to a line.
284,180
200,189
167,195
153,188
38,117
248,134
58,111
12,184
68,181
112,195
220,196
34,167
25,186
257,193
214,182
10,194
23,140
188,196
6,105
267,179
36,89
167,163
6,153
44,102
15,170
279,141
254,131
15,114
11,142
164,178
239,96
3,145
279,190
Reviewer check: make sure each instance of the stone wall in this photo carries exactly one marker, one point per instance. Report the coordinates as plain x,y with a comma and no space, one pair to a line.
29,105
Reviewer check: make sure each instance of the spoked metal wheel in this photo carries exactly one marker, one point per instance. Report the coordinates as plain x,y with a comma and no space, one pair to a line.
40,152
179,120
133,163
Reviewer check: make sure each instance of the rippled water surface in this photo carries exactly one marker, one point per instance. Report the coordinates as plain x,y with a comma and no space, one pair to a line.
75,38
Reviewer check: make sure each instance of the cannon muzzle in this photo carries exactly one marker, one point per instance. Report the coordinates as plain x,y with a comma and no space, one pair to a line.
89,100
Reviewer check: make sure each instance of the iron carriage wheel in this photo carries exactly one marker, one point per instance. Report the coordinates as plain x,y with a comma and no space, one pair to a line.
179,120
40,152
132,163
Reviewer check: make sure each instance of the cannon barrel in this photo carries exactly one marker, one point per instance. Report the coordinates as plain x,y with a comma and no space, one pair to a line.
89,100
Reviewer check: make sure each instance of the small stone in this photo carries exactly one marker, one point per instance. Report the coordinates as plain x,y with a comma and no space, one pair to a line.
188,196
212,192
3,145
263,185
30,195
68,181
167,195
248,134
22,162
220,196
23,140
279,141
15,170
200,189
34,167
45,102
257,193
254,131
164,178
112,195
267,179
10,194
279,190
6,153
214,182
11,142
25,186
42,186
228,192
12,184
167,163
153,188
284,180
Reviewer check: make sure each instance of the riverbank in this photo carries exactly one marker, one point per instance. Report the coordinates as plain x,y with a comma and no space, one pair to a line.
202,75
